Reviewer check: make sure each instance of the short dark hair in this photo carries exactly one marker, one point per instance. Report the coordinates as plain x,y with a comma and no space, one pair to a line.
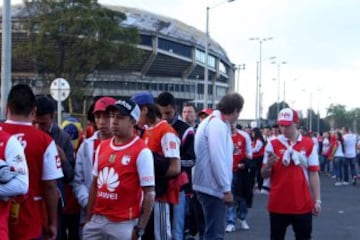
44,105
165,99
189,104
90,113
153,111
21,100
231,102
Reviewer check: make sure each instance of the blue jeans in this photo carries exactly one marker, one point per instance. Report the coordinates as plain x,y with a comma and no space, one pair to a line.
349,162
214,213
179,217
239,209
338,167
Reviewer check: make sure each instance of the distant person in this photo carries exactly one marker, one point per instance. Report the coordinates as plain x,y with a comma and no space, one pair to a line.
242,182
258,149
212,174
291,163
350,144
44,169
189,114
337,156
122,193
204,113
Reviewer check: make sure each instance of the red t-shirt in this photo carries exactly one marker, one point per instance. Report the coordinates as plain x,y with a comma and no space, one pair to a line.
44,164
121,171
4,206
162,139
290,192
242,147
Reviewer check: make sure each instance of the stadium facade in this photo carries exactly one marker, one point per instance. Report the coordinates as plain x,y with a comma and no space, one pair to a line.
173,59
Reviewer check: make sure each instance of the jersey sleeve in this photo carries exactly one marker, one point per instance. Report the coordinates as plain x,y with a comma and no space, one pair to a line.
15,159
268,148
313,160
170,145
51,163
145,168
248,148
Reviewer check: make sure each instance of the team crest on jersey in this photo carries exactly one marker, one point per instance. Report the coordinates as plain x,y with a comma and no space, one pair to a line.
112,158
172,145
125,160
19,158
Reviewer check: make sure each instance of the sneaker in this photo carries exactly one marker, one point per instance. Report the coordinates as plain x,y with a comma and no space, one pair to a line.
244,225
230,228
264,191
338,184
354,180
345,183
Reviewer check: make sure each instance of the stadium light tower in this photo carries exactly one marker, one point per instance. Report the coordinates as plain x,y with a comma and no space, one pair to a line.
206,69
258,82
278,85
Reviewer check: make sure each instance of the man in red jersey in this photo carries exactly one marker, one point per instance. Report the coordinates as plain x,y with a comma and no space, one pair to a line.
44,168
86,154
162,140
291,163
14,177
122,193
242,181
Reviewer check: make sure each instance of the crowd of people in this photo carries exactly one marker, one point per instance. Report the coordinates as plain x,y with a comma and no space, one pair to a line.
145,169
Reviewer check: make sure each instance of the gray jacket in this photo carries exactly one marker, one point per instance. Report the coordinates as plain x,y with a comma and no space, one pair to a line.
83,173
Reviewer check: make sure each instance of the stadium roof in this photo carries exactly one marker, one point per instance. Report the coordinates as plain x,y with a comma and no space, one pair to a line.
149,22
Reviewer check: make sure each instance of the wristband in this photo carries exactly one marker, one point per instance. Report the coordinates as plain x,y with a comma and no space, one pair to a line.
318,201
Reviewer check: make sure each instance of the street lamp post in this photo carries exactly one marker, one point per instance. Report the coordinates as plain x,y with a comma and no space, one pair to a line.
239,68
278,86
258,81
206,68
5,56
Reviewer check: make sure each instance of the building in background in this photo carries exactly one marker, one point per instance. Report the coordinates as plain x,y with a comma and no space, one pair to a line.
173,58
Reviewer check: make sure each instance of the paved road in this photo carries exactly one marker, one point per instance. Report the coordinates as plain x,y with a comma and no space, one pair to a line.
339,220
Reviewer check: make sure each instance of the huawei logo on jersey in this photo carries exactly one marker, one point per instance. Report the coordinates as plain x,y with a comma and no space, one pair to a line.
108,178
125,160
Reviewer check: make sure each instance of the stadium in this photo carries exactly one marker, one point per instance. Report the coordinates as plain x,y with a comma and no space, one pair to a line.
173,58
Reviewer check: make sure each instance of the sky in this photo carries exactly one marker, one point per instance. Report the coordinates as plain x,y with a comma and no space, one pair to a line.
318,40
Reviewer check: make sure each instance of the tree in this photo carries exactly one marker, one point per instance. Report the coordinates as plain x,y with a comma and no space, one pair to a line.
273,110
338,116
74,38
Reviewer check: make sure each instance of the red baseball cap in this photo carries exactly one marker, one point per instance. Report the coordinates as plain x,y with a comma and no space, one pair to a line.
102,103
206,111
287,116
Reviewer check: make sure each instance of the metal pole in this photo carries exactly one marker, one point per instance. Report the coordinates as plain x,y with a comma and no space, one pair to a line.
278,92
59,102
238,79
284,90
206,76
260,103
310,113
5,56
257,95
